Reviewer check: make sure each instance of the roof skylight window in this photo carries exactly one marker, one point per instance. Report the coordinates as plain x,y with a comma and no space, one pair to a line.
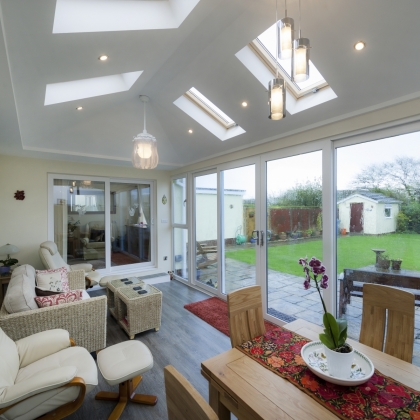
206,113
210,107
265,46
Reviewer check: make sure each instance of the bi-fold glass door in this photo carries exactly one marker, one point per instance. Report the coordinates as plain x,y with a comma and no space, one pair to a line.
107,223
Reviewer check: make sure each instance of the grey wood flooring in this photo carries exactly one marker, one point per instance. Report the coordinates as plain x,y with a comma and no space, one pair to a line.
183,341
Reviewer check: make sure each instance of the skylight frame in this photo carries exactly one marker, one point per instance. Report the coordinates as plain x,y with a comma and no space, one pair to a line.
210,108
265,56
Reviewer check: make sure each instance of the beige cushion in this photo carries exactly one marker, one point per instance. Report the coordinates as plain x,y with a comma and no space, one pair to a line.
124,361
42,344
20,294
9,362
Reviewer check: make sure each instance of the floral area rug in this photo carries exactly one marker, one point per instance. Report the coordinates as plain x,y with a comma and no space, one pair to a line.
380,398
214,312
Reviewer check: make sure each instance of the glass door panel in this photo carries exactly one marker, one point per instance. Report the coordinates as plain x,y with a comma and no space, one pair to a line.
294,219
130,223
205,229
238,223
79,221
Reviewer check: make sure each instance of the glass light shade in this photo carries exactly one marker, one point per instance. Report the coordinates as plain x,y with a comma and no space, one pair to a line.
145,154
277,99
300,61
285,28
8,249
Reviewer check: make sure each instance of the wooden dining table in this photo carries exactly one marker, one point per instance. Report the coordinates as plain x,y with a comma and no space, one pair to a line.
240,385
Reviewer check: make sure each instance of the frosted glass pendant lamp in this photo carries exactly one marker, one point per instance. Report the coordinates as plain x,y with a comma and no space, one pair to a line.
300,59
145,154
285,28
277,91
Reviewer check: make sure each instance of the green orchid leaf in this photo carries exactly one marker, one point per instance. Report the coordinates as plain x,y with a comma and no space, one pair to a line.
342,324
343,337
327,341
331,325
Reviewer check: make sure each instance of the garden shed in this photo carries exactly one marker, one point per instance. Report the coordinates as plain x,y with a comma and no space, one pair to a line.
369,213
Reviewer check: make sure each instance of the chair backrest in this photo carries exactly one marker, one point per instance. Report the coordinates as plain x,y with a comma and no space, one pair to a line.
50,256
399,336
183,401
9,363
246,319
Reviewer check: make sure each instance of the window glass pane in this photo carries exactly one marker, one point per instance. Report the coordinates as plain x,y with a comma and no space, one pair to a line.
206,229
378,207
180,262
179,200
294,218
130,223
79,221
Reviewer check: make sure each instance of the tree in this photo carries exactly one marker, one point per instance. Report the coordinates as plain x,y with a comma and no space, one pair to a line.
402,174
308,194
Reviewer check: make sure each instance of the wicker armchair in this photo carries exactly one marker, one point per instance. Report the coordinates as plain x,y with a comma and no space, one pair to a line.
85,320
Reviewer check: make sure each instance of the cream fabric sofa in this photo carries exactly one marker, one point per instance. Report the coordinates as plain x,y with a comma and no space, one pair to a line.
94,239
20,317
42,372
51,258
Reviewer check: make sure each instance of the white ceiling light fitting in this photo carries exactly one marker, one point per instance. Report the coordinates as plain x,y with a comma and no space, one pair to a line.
277,92
145,154
300,58
359,45
285,28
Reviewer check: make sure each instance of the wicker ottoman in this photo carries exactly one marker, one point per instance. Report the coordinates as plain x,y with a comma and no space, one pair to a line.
138,312
122,365
111,288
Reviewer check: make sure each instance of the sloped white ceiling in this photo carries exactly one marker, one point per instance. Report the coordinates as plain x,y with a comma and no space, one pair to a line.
200,52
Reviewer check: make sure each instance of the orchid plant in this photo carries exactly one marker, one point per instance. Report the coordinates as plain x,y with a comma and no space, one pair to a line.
335,332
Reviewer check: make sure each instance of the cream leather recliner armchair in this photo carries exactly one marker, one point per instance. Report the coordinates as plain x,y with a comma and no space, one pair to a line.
43,373
51,258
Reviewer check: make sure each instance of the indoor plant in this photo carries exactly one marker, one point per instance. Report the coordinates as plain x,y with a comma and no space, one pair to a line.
72,226
339,353
7,263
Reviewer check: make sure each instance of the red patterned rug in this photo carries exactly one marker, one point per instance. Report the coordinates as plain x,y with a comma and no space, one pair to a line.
214,312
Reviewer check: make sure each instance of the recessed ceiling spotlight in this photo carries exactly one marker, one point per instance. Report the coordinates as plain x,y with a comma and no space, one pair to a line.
359,45
103,57
244,104
79,108
190,131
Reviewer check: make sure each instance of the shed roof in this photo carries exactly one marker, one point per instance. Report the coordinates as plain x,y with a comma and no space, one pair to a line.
376,197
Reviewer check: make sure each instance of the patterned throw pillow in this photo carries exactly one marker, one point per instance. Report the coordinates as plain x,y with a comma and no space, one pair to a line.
43,292
68,297
55,279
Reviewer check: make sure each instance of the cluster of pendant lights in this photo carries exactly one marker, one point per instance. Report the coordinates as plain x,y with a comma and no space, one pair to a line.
287,47
145,154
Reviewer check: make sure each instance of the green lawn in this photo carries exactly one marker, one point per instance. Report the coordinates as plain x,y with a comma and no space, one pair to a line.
353,252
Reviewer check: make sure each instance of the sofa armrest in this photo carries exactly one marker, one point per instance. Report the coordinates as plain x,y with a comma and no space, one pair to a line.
83,266
40,345
85,320
76,279
40,383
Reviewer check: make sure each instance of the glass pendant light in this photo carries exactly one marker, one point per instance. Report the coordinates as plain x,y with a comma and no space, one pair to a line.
285,28
300,59
277,92
145,154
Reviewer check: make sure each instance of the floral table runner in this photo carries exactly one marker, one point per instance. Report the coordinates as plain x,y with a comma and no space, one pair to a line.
380,398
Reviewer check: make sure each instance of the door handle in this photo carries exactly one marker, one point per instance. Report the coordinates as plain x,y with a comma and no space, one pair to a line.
262,238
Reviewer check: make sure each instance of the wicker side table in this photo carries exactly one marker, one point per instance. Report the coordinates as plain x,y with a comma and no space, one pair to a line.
113,286
136,313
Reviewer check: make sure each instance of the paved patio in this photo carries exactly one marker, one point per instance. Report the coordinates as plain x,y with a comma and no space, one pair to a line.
287,295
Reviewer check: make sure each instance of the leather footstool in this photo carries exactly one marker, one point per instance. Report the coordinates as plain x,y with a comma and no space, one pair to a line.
123,364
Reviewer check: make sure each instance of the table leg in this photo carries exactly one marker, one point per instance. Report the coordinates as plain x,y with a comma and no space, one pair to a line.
216,405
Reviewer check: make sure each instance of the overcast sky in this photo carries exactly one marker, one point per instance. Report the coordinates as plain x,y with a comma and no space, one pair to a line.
283,174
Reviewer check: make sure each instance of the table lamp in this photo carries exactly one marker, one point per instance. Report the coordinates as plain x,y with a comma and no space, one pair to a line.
7,250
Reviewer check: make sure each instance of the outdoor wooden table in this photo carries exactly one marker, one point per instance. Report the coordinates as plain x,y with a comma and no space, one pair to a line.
407,279
242,386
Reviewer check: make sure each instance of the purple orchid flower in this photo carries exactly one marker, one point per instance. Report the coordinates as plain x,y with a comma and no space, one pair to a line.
324,282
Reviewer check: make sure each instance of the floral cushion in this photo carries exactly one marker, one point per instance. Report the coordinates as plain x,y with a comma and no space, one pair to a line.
55,279
72,296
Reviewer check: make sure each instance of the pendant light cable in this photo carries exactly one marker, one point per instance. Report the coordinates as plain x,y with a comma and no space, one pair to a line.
277,46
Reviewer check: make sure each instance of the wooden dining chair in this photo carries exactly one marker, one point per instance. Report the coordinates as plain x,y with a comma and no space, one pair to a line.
183,400
245,313
399,338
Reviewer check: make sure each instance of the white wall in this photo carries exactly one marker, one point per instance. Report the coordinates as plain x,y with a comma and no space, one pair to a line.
24,223
387,224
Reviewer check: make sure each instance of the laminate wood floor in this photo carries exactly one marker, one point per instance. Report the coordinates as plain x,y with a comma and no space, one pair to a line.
183,341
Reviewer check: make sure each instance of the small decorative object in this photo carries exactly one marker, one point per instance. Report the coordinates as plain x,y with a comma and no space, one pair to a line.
8,262
131,211
164,199
383,262
339,354
396,264
20,195
283,236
